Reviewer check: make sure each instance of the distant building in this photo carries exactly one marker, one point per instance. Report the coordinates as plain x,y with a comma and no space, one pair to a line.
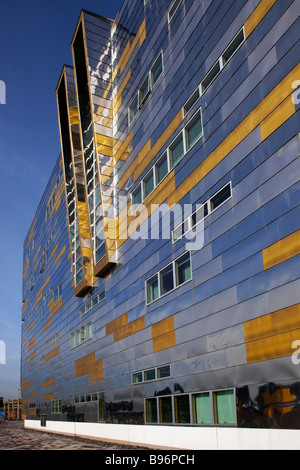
161,269
12,410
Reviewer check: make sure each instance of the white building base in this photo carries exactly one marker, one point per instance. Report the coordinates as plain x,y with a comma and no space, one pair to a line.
175,437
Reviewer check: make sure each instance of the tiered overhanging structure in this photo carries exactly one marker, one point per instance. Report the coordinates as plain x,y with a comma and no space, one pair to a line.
161,269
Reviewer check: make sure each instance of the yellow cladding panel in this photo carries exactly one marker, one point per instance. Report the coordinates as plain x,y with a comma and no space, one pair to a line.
129,329
140,37
116,324
38,250
87,252
278,117
54,307
54,250
74,115
259,13
47,324
25,384
254,119
163,334
49,382
272,347
274,323
282,250
60,255
52,354
25,306
272,335
122,149
48,396
88,365
32,356
117,101
104,145
26,267
31,343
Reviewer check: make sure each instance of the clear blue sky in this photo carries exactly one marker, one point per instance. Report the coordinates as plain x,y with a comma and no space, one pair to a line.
35,38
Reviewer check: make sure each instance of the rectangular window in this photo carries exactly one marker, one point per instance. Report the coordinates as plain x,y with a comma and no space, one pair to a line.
220,197
148,184
133,108
137,196
199,214
137,378
161,168
144,91
57,293
205,209
176,150
152,289
211,76
182,409
165,410
92,303
233,46
202,408
173,9
151,410
183,269
156,70
166,280
149,375
163,372
224,407
191,101
169,278
84,333
101,406
193,130
56,406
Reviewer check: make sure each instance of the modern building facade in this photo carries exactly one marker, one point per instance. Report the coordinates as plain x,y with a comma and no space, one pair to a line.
161,269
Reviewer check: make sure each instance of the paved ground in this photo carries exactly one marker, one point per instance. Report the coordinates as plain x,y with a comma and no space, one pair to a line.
13,436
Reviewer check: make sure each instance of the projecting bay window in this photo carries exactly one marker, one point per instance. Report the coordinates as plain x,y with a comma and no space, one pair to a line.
167,279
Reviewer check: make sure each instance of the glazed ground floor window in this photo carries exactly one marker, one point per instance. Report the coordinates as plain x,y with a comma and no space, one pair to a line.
214,408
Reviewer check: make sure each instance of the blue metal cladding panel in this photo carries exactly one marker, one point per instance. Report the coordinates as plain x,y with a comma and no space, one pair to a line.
229,285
